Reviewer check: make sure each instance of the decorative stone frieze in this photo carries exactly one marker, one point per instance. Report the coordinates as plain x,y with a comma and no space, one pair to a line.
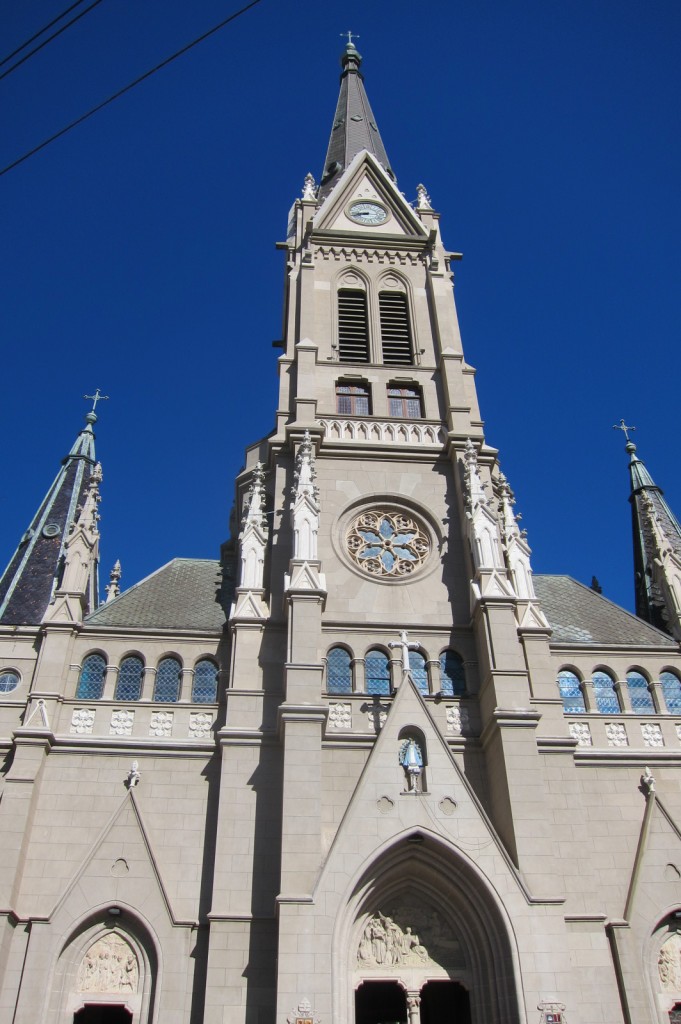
161,723
377,432
581,732
83,721
340,716
617,734
349,254
121,723
652,734
200,723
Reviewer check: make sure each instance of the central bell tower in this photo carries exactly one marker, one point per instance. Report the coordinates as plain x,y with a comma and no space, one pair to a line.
374,508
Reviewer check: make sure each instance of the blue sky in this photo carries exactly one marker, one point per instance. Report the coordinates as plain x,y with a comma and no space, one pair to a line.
548,137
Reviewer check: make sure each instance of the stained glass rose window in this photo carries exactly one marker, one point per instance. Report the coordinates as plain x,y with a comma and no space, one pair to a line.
387,542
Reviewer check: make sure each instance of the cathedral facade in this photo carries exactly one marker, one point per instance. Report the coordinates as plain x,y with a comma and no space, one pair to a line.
365,767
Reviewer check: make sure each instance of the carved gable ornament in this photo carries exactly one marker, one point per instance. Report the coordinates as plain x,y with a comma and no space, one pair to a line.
410,936
110,965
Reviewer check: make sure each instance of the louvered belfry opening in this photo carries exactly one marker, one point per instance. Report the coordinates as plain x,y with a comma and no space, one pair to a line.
353,326
395,332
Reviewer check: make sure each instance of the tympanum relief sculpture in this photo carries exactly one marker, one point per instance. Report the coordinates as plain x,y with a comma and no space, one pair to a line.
109,965
669,964
388,941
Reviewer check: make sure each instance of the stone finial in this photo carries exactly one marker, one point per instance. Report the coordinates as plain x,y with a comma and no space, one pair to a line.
253,537
255,498
133,775
648,781
309,188
87,514
422,198
305,508
405,646
475,494
113,588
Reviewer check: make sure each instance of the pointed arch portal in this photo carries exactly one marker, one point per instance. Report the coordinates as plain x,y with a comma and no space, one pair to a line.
427,941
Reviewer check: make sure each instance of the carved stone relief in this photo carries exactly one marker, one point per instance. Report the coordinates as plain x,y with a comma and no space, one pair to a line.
82,721
109,965
340,716
669,964
410,936
121,723
652,735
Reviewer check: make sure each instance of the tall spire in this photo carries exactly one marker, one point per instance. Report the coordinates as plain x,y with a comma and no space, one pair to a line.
354,126
657,547
35,570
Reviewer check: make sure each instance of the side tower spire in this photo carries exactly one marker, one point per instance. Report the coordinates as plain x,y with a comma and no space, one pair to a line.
354,125
35,571
657,547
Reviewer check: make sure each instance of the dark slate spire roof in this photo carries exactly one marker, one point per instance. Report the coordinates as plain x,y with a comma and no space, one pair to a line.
647,497
354,125
35,569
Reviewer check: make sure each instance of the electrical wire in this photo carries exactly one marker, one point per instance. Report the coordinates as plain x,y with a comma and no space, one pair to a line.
49,39
37,34
127,88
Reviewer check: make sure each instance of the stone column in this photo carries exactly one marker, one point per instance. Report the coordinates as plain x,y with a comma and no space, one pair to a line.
414,1007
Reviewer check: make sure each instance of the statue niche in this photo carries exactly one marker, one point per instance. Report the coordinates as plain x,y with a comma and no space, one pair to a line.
110,965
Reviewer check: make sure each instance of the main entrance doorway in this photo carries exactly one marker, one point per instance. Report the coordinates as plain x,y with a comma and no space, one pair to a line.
444,1002
102,1013
380,1002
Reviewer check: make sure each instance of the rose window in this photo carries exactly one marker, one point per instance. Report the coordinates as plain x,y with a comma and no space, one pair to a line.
387,543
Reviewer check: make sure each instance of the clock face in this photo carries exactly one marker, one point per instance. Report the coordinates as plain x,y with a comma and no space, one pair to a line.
367,213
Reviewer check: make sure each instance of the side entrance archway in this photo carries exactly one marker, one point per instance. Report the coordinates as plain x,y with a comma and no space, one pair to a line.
100,1013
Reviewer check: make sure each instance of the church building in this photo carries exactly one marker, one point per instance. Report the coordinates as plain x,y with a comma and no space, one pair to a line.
365,767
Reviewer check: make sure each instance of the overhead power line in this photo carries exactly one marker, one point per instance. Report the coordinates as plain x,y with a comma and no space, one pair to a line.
127,88
37,34
49,39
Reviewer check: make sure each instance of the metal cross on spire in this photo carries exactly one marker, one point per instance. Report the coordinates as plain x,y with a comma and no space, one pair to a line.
350,37
623,427
406,646
98,397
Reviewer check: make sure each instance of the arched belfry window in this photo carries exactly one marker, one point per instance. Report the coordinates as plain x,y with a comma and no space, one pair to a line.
91,679
377,673
130,673
396,339
604,693
639,694
571,693
353,326
338,671
167,688
205,684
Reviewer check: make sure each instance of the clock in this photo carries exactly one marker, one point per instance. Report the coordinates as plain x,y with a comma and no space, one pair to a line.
365,212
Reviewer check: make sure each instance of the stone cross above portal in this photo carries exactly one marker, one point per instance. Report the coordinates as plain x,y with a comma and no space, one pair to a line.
405,646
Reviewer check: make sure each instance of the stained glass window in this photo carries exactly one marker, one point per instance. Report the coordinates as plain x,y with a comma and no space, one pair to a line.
604,693
167,688
352,399
405,402
205,685
377,673
571,693
387,542
8,681
91,679
452,678
129,686
338,671
671,688
639,694
419,671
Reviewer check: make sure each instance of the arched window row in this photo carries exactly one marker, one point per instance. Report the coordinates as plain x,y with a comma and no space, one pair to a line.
604,695
345,675
136,681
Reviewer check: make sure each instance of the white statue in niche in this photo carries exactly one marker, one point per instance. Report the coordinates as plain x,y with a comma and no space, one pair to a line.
669,964
411,759
109,965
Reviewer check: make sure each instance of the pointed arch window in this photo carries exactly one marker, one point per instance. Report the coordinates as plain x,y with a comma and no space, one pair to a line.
338,671
91,678
604,693
377,673
571,693
452,678
639,694
167,688
419,671
130,674
671,688
205,684
353,326
396,340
